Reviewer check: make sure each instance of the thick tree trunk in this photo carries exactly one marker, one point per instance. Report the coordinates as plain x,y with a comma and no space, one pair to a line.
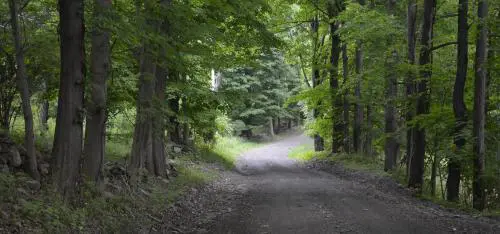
459,108
417,162
23,87
95,129
345,68
319,144
67,150
142,150
410,81
479,116
336,100
391,147
159,125
358,108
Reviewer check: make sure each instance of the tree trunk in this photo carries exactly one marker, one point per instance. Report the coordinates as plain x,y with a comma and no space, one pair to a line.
391,147
95,129
67,150
410,81
159,156
336,100
44,112
23,87
271,127
142,150
434,173
479,117
368,147
417,162
459,108
319,144
358,109
345,68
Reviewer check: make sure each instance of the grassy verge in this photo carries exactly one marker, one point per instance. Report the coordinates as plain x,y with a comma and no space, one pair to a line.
305,153
117,208
226,150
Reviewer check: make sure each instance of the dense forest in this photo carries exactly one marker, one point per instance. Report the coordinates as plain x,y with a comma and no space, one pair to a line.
412,84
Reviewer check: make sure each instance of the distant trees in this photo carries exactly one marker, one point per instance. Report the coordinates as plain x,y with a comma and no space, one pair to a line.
260,93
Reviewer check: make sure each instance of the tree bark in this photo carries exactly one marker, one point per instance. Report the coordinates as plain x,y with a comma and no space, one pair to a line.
319,144
159,125
368,146
459,108
410,81
23,87
95,129
391,147
336,100
417,163
358,108
142,151
345,68
479,116
44,115
67,150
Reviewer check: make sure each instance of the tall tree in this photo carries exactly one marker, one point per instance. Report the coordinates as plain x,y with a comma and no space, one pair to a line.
319,144
479,115
67,150
345,74
95,129
391,146
416,177
410,79
459,108
23,87
141,156
358,108
336,100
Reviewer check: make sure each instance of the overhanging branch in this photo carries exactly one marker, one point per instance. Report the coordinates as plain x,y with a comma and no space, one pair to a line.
444,45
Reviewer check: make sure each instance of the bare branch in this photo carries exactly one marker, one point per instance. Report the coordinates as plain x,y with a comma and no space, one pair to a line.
444,45
304,71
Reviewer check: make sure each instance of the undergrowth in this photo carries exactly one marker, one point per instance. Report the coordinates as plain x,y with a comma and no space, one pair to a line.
121,209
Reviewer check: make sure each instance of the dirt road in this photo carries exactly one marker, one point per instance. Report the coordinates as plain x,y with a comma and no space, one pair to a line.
271,193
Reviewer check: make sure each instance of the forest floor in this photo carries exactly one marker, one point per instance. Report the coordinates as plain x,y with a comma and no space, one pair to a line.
268,192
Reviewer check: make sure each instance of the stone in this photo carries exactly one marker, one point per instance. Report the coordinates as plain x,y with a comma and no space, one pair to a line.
177,149
44,168
4,168
33,185
22,191
15,157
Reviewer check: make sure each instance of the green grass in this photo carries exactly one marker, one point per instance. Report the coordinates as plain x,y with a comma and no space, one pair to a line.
303,153
226,150
190,175
117,150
